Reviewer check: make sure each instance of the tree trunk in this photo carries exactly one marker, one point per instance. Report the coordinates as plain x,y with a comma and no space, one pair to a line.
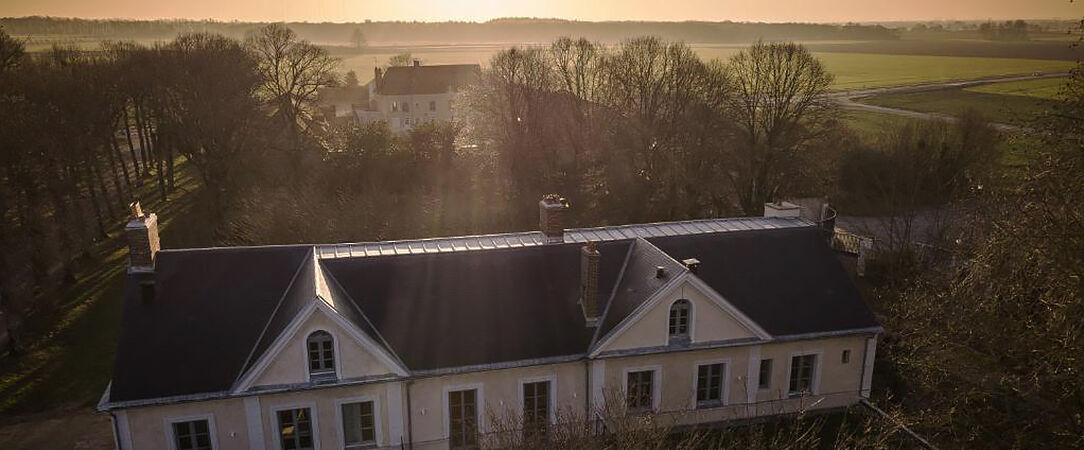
118,157
169,165
131,149
143,141
160,173
94,198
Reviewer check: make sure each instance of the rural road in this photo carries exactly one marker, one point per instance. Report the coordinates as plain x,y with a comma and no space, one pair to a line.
847,99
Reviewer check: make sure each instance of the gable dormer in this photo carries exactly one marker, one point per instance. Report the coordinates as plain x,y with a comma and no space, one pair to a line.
683,313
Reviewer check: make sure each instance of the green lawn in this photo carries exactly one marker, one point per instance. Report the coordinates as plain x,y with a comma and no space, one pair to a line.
1010,109
870,126
69,357
1047,88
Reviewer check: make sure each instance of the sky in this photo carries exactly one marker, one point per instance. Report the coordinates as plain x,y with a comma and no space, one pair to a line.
480,10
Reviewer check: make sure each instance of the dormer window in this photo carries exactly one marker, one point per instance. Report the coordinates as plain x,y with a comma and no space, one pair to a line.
321,355
679,321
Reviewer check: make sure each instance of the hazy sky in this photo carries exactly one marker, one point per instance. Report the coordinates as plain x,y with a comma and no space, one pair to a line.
738,10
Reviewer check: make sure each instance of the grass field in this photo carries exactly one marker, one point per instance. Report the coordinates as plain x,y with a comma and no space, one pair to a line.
1002,104
1047,88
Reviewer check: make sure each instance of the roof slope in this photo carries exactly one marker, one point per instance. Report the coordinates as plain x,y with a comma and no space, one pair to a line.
639,281
467,308
787,280
209,310
417,80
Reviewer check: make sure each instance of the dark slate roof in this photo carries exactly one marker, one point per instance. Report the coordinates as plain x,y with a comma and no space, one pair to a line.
416,80
208,312
787,280
301,292
639,280
466,308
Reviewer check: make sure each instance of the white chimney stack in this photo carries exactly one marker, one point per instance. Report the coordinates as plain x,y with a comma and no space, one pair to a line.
552,216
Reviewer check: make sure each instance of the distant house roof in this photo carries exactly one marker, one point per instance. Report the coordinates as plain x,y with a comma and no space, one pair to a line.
418,80
464,301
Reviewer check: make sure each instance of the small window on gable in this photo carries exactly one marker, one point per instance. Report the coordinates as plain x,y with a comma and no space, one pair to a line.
321,350
679,320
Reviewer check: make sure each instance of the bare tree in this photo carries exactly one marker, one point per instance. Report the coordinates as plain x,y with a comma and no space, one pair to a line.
292,71
778,104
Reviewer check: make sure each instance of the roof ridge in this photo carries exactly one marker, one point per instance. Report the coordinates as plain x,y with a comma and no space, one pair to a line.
613,292
274,312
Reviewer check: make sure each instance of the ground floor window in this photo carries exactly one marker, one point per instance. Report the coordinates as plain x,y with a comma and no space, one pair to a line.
536,410
295,429
463,418
639,393
764,380
801,374
192,435
709,384
359,425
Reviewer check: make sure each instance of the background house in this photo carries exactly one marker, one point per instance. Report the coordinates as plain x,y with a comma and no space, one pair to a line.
405,96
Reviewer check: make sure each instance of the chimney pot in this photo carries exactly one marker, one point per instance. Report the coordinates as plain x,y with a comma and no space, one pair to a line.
660,272
141,232
692,264
589,268
552,214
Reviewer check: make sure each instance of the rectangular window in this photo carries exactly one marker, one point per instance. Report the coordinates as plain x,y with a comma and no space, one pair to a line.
321,353
846,358
432,105
709,384
801,374
639,395
295,429
536,410
359,426
406,106
765,377
463,418
394,106
192,435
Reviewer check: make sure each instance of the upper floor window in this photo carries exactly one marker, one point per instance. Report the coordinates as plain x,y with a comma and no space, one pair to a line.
406,106
639,391
709,384
359,425
801,374
295,429
765,375
432,105
321,349
192,435
679,319
394,106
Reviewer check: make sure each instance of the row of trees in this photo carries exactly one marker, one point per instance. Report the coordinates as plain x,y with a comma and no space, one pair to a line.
83,132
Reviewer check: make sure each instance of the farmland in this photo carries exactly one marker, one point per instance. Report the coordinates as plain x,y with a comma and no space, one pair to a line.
1016,103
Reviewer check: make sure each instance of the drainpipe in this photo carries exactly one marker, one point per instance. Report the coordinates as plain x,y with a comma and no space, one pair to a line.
409,415
587,389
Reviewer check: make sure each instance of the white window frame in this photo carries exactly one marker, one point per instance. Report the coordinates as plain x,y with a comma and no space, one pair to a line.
771,373
170,420
377,434
479,401
656,385
334,347
818,362
692,319
314,418
725,395
552,379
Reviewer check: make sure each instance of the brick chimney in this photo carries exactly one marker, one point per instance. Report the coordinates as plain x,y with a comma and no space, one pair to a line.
142,236
589,259
552,216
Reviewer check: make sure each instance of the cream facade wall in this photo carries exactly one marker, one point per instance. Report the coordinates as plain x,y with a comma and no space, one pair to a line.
290,365
150,427
499,398
419,112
